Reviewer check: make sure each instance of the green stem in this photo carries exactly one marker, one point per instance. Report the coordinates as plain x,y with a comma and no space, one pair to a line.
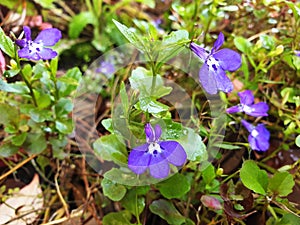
153,76
30,89
137,209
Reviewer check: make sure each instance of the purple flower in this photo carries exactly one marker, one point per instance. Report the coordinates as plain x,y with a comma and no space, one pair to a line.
212,74
246,105
36,49
259,136
106,68
297,53
155,154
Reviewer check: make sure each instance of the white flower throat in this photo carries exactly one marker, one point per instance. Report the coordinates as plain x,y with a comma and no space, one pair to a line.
212,63
34,46
154,148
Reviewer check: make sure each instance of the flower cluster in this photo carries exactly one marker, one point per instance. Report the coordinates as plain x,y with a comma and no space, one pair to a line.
212,74
259,136
37,49
155,154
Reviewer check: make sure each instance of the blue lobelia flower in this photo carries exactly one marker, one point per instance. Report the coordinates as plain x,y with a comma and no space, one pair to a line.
246,105
297,53
106,68
155,154
259,136
212,74
37,49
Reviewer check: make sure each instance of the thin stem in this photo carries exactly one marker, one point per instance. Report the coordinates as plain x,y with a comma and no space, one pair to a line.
17,166
30,89
153,78
137,209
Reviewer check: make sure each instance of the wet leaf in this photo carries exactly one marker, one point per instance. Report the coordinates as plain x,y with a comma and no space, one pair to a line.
113,190
179,181
193,145
254,178
117,218
167,211
6,44
281,183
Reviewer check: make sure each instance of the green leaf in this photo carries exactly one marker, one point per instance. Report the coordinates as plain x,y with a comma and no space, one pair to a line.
117,218
17,87
288,219
68,83
6,44
141,80
281,183
193,145
294,8
35,143
130,35
268,42
19,139
229,146
167,187
208,173
113,190
172,45
58,144
243,44
173,130
124,99
254,178
8,149
107,123
45,3
126,177
79,22
65,126
63,107
297,141
134,203
38,115
167,211
147,104
43,101
8,114
111,148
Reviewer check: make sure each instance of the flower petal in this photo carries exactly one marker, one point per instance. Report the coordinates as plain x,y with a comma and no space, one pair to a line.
263,145
159,169
253,143
263,131
139,159
234,109
22,43
24,53
228,59
199,51
49,37
219,42
47,53
223,82
246,97
157,131
27,33
173,152
208,80
150,135
248,126
258,109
